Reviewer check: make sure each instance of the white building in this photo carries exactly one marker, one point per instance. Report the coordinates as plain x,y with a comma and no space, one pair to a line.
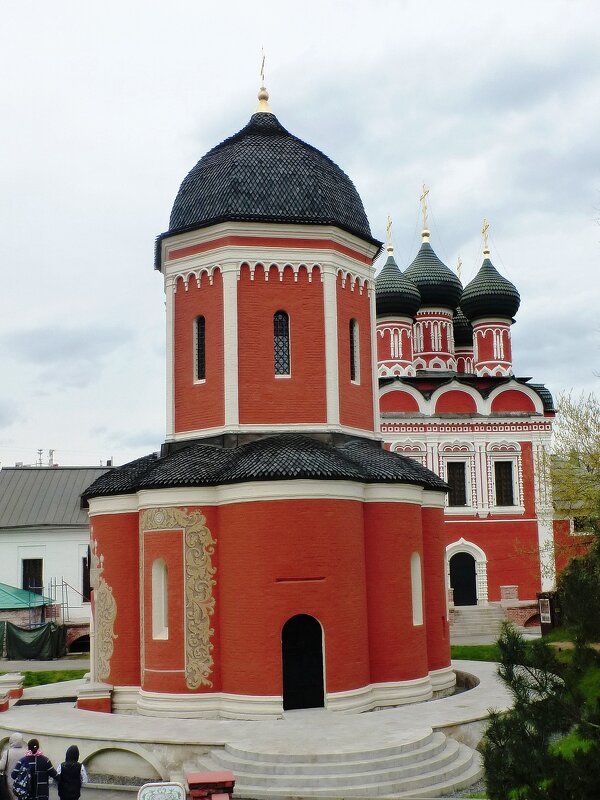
44,534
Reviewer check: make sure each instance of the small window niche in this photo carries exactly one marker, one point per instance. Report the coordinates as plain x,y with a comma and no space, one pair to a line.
281,344
160,600
354,351
200,349
416,584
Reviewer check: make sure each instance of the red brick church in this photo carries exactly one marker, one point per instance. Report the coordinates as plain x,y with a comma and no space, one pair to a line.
274,554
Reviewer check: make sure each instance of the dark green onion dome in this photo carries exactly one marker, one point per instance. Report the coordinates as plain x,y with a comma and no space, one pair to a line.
489,295
438,285
264,174
394,292
463,330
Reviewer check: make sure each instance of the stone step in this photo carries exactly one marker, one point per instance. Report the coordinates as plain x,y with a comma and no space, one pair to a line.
415,741
426,765
307,775
463,770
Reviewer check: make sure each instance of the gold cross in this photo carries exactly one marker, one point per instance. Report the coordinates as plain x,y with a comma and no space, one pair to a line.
262,68
388,235
459,267
484,231
423,200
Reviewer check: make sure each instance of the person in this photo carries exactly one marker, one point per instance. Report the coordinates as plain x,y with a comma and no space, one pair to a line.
40,768
71,775
14,751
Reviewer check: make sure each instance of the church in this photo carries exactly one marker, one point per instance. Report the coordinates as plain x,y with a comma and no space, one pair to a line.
274,555
449,399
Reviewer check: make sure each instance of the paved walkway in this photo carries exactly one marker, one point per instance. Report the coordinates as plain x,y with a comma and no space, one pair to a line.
10,665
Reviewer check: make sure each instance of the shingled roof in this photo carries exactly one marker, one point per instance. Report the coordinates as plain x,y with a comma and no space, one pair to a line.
265,174
282,457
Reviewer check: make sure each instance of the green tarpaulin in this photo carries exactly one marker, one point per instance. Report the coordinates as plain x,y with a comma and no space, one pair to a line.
43,643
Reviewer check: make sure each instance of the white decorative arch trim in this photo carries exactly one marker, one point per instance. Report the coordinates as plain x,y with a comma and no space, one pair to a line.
481,581
456,386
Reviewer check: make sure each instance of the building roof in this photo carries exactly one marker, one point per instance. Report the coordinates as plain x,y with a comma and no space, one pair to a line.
11,598
287,456
489,295
438,285
36,496
395,293
265,174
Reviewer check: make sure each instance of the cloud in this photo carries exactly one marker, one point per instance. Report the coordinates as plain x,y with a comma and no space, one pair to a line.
70,357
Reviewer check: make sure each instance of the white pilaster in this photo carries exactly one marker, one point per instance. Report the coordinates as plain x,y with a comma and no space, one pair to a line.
170,321
331,347
230,343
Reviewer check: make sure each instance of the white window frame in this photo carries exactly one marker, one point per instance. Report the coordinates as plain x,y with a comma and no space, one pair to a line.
355,364
511,453
196,379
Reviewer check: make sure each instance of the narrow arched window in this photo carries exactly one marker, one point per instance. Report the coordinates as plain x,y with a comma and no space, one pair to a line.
200,348
354,352
281,343
416,584
160,600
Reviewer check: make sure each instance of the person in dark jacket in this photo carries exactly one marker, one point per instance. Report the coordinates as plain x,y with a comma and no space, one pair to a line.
71,775
40,768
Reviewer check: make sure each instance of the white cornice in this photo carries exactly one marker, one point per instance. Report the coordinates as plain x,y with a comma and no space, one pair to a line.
268,491
203,433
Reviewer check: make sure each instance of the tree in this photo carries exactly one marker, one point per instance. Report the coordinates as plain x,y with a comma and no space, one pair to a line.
575,461
547,746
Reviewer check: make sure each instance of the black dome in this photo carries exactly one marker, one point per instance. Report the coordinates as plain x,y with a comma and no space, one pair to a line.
489,295
438,285
264,174
463,330
394,292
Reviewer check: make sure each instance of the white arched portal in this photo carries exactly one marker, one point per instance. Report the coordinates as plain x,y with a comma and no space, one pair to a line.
481,580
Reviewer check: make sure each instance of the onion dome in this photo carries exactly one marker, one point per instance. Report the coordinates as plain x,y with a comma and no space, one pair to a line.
463,330
265,174
438,285
489,294
395,293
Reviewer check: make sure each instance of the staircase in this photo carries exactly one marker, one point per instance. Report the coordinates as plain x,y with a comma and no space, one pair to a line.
427,765
477,621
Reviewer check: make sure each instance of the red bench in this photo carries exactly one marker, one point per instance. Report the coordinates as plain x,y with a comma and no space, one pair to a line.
214,785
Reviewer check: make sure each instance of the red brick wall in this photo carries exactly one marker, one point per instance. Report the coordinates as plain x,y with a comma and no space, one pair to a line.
282,558
118,540
397,647
356,400
567,545
198,405
512,400
398,401
455,402
264,398
434,570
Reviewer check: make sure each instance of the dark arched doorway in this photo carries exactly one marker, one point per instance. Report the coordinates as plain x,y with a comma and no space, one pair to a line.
302,656
462,579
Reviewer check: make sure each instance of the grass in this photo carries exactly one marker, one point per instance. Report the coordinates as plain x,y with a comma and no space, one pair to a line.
476,652
52,676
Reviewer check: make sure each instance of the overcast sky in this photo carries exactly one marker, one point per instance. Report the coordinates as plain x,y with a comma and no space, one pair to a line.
106,106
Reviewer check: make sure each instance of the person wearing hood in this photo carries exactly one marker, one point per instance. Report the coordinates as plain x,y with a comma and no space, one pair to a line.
71,775
40,769
13,752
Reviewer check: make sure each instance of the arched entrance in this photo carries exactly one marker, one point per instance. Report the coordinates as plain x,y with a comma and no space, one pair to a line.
302,657
463,580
